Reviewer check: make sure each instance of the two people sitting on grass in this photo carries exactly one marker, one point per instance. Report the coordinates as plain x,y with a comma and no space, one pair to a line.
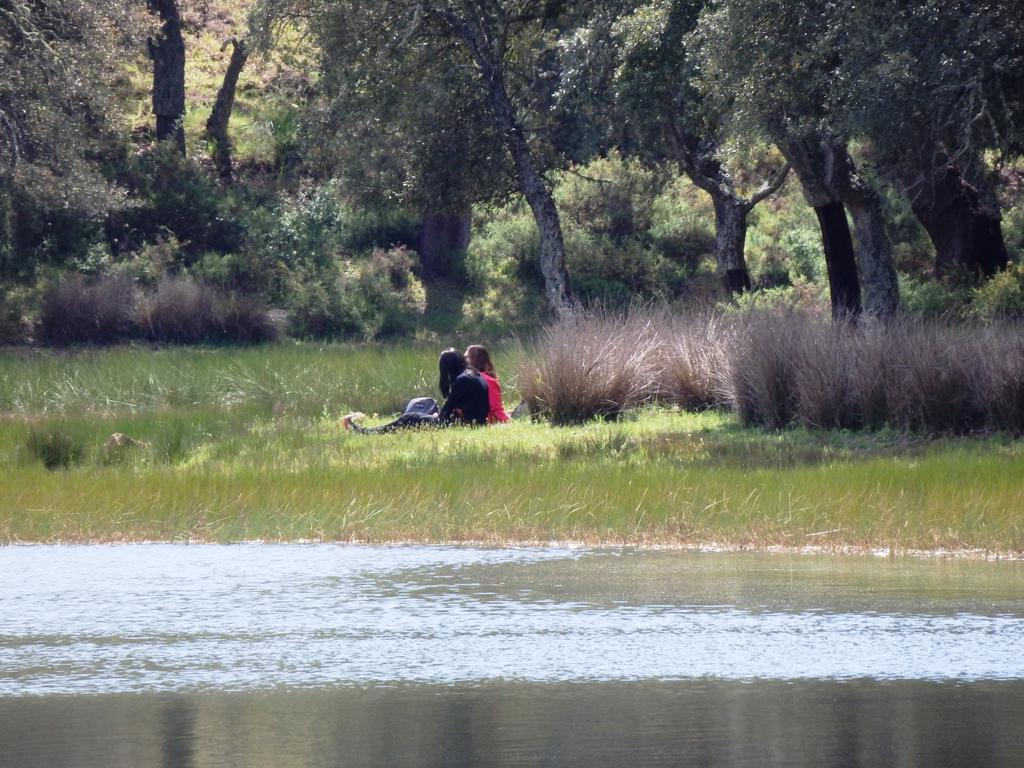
469,385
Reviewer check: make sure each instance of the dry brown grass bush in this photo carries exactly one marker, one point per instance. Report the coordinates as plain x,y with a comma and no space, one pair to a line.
181,311
78,311
691,361
783,368
591,365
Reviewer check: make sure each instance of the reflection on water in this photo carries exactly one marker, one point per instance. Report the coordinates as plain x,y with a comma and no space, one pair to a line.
691,723
331,655
171,618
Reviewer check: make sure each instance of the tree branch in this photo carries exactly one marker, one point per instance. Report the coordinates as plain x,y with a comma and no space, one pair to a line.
769,188
688,163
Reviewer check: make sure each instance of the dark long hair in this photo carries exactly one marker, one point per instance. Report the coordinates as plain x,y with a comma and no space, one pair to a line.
450,364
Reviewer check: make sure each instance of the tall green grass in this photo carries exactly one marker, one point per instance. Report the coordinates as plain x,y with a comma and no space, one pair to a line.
662,477
293,377
247,444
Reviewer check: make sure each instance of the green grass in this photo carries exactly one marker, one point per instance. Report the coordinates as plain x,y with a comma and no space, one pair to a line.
246,444
292,377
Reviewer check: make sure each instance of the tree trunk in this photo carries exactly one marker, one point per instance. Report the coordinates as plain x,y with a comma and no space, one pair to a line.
531,183
220,115
839,260
830,184
168,54
542,204
966,236
442,235
874,250
730,240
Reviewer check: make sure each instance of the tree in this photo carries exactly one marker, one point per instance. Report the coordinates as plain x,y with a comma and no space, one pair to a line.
502,42
771,66
937,86
654,85
58,115
410,128
220,115
167,50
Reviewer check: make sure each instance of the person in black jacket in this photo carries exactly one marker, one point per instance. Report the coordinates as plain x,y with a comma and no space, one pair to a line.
466,401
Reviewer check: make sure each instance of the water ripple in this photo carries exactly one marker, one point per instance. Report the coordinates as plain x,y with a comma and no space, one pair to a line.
168,618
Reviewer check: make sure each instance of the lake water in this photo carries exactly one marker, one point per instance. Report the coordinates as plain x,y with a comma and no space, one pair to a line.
320,655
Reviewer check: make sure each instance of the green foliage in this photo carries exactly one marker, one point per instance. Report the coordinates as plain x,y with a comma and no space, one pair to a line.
682,224
17,305
800,296
1013,226
375,297
382,226
929,298
1001,297
177,198
55,447
784,241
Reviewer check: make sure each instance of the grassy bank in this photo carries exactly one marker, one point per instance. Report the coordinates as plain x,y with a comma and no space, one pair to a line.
247,445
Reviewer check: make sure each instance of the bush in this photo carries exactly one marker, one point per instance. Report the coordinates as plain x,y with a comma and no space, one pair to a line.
368,298
76,311
244,320
1001,297
185,311
683,225
178,197
930,299
762,368
801,296
617,273
317,307
591,365
181,311
55,448
16,308
692,360
783,368
610,196
386,298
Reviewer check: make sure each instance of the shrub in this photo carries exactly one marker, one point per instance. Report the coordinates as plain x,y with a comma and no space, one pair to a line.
801,297
178,197
591,365
930,299
619,272
998,381
16,308
244,320
692,360
782,368
387,299
761,368
186,311
505,250
928,378
384,227
369,298
55,448
317,308
1000,297
181,311
76,311
682,226
610,196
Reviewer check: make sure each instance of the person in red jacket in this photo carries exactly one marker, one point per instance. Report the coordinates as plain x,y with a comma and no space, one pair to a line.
477,357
